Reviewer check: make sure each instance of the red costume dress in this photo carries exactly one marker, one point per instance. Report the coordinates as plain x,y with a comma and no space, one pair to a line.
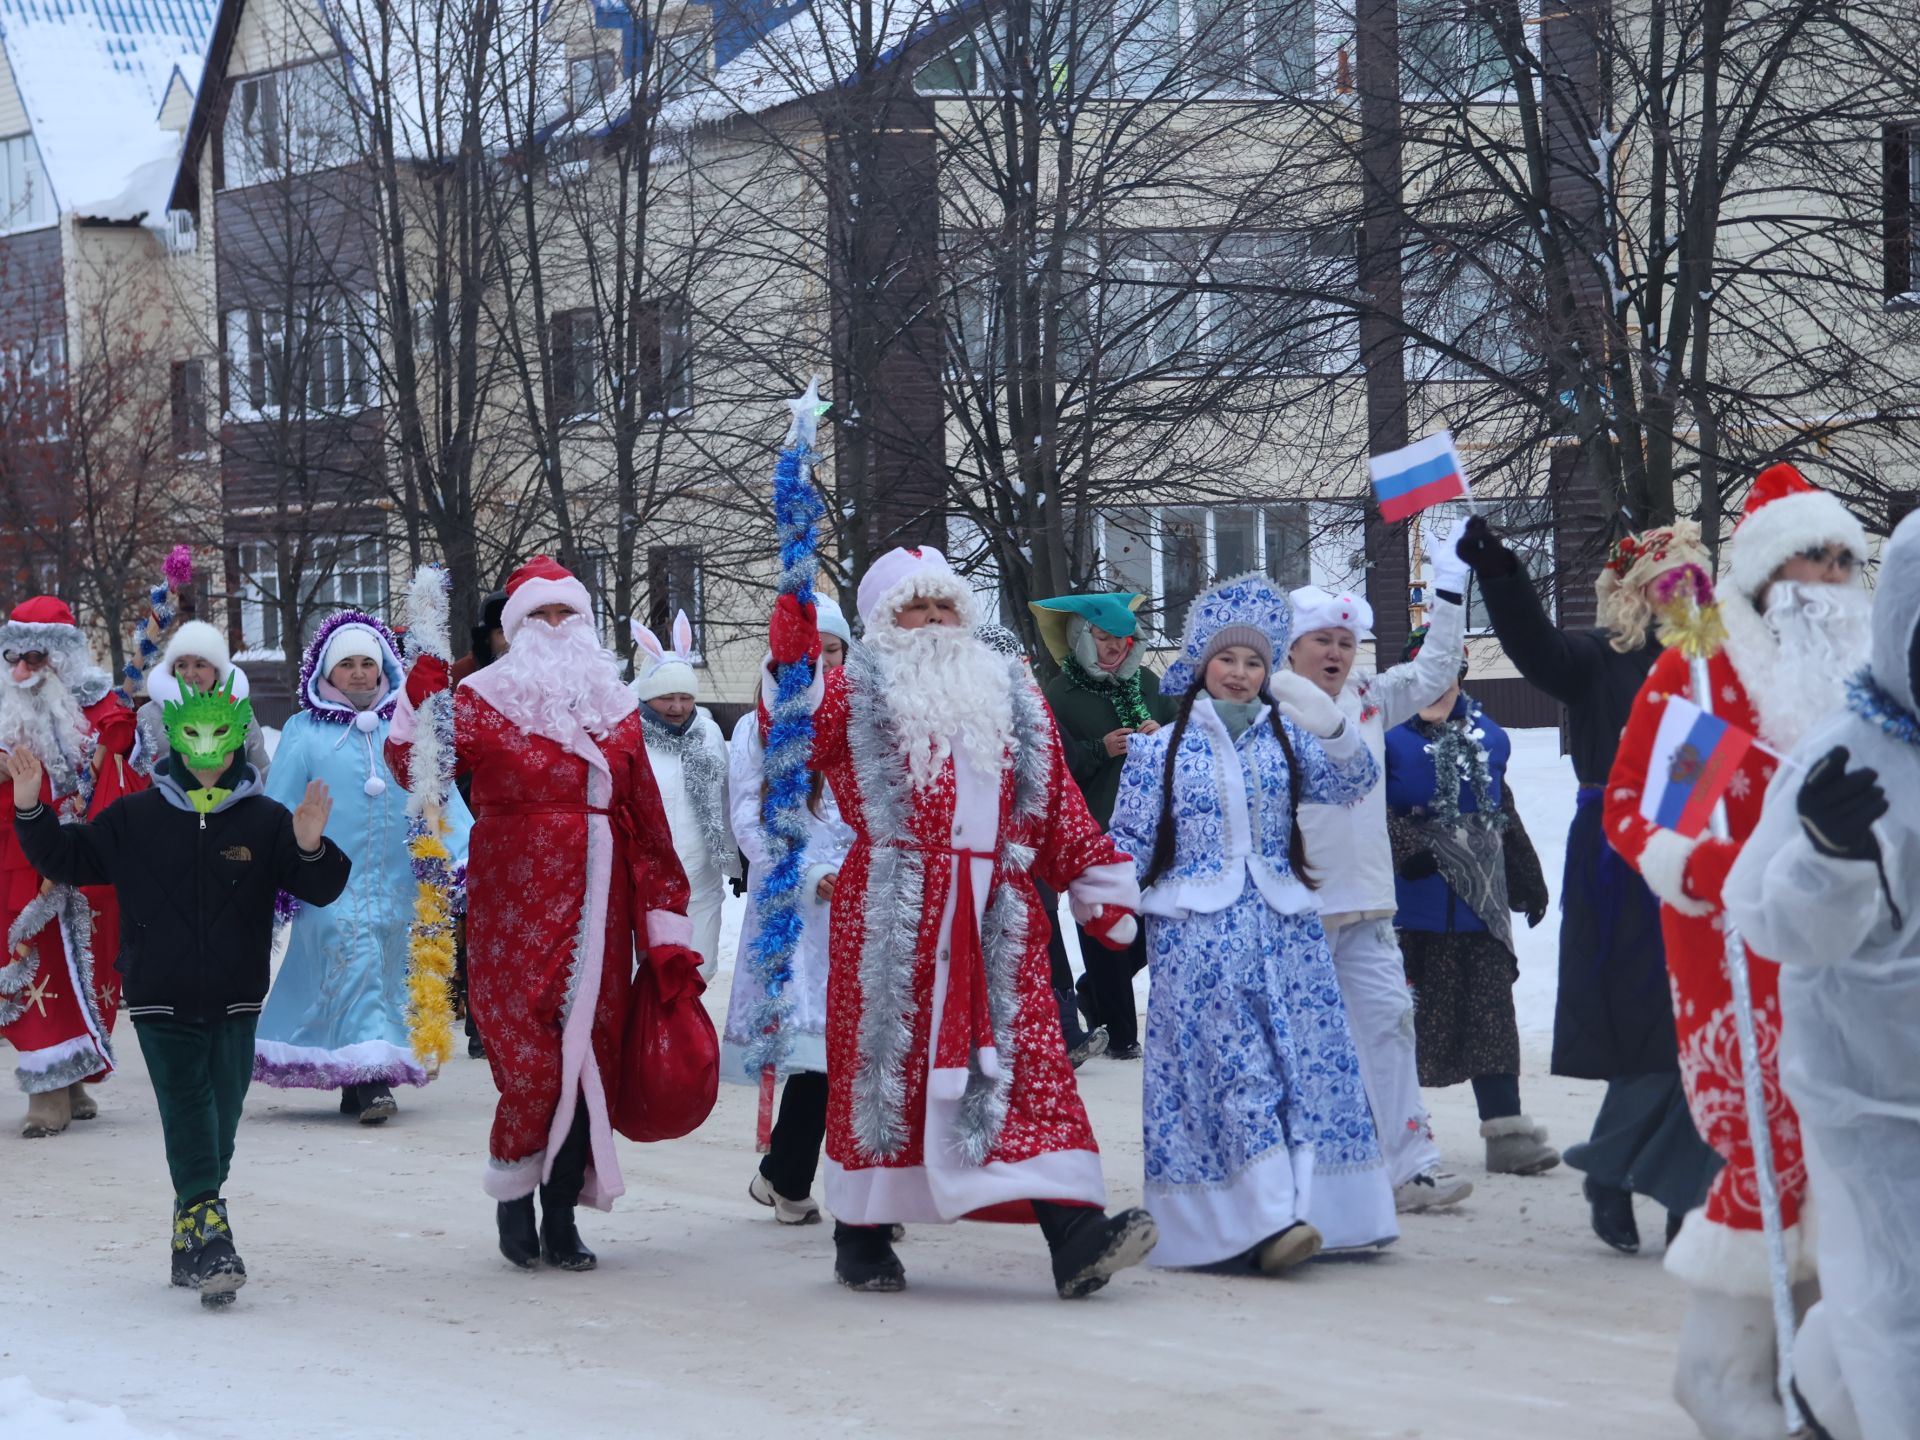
59,990
570,861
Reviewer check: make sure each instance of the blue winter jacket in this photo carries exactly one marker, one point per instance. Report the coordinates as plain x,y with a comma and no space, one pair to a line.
1430,904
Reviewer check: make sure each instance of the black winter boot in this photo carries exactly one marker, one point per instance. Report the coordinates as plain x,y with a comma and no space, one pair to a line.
519,1239
1613,1218
863,1258
182,1247
1090,1247
377,1104
217,1268
350,1100
559,1237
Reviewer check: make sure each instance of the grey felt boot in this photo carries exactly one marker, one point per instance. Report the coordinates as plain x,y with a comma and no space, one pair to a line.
1517,1146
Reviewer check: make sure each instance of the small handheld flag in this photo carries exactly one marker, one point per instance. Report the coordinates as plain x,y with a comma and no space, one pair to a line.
1425,474
1694,759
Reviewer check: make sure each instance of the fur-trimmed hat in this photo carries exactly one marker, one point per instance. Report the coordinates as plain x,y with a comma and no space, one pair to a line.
904,573
203,641
541,581
45,623
1783,516
1317,609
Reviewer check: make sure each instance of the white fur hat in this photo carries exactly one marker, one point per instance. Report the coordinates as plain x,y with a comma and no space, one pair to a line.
659,671
904,572
1317,609
196,638
832,619
1784,515
541,582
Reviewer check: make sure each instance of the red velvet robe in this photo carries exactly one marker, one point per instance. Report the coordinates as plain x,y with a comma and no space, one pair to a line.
566,867
64,1032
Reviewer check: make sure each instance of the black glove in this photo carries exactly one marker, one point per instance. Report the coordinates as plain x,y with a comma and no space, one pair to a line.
1419,866
1838,807
1480,547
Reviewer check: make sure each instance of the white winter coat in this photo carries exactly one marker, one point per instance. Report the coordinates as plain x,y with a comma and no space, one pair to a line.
706,882
1347,847
1850,1005
828,840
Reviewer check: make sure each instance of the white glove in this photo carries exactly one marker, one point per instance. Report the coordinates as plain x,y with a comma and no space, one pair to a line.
1443,557
1306,704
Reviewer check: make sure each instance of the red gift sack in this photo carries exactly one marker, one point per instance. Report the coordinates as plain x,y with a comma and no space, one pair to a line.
670,1061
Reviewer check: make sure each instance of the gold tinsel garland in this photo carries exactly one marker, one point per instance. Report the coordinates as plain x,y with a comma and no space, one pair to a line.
430,954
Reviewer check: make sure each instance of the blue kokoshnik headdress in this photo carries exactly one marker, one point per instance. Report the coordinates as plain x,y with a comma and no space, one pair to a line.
1246,602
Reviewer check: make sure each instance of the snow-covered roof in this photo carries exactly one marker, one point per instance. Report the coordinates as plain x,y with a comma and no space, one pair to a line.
92,75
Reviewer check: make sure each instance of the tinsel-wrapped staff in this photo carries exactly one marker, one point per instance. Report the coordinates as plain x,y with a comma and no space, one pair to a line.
789,746
430,949
163,613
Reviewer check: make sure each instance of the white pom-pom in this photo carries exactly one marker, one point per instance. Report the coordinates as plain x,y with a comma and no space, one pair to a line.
366,722
375,785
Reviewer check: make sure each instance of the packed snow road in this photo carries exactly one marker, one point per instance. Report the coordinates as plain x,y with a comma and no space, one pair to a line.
378,1307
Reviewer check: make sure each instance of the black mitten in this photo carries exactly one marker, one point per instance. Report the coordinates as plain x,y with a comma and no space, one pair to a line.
1419,865
1481,548
1838,807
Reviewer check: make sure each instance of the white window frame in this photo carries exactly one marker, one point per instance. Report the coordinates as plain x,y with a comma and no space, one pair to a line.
1519,519
37,370
1502,94
1165,629
346,340
353,576
304,112
26,194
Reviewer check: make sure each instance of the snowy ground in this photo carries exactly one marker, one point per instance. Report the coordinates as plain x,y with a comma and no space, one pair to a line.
379,1309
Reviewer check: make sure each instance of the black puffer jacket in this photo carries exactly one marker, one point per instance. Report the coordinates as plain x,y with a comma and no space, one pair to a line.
196,892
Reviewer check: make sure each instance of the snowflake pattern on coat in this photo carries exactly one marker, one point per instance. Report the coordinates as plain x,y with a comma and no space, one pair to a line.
1248,1048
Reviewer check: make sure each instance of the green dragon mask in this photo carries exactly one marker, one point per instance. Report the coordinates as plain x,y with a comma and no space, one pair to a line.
206,726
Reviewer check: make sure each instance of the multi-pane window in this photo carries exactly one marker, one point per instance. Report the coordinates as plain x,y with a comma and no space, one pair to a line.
1466,319
1525,523
33,386
344,573
683,63
674,584
1449,51
1899,205
287,122
319,360
188,405
591,79
665,343
1251,46
1170,553
573,347
26,199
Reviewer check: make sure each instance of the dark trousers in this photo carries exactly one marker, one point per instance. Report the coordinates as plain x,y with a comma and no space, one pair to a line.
1498,1096
1106,990
200,1075
1060,972
798,1131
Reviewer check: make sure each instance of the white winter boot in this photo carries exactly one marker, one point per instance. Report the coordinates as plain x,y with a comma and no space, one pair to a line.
1725,1371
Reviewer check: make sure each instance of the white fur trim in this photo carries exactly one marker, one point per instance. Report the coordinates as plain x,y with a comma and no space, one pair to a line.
936,1195
1710,1256
900,574
1318,609
162,686
1512,1125
1663,865
810,884
539,591
1781,529
515,1179
33,1062
196,637
664,927
1097,885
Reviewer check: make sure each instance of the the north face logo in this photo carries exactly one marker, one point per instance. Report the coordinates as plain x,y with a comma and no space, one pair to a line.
237,852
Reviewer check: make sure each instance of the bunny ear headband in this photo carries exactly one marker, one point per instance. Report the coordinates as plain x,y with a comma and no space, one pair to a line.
645,641
659,671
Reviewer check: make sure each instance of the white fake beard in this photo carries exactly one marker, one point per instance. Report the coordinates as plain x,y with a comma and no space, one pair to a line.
942,686
42,714
555,678
1820,638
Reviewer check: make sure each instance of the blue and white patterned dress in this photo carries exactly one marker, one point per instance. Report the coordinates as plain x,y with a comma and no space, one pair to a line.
1255,1113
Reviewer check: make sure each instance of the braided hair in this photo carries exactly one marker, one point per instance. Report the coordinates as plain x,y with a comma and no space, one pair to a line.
1163,835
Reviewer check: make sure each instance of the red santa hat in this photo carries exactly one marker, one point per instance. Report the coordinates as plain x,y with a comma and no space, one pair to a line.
541,581
1784,515
46,623
904,573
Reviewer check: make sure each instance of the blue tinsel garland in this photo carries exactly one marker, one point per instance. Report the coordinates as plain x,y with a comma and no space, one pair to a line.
1867,700
789,747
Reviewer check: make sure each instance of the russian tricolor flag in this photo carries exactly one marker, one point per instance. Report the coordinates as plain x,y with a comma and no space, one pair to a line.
1694,758
1424,474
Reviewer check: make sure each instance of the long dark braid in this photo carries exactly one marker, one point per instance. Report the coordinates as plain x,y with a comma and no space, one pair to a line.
1296,838
1163,835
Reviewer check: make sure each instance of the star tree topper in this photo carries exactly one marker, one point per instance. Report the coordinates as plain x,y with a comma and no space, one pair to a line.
807,410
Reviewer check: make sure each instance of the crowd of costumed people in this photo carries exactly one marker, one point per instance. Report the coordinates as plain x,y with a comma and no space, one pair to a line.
1321,867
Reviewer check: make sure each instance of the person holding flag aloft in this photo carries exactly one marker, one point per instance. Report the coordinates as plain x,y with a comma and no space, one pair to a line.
1796,628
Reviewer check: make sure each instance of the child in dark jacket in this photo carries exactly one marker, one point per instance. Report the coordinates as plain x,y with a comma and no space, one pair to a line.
196,862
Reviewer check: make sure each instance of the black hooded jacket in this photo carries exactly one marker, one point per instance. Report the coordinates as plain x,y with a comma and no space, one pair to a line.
196,892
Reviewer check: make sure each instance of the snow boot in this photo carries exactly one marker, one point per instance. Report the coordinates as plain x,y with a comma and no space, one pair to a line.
1433,1189
805,1211
182,1249
519,1237
1090,1247
1517,1146
1613,1218
1093,1043
350,1100
48,1113
560,1242
1724,1373
376,1104
217,1268
83,1104
1129,1051
1295,1245
863,1259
